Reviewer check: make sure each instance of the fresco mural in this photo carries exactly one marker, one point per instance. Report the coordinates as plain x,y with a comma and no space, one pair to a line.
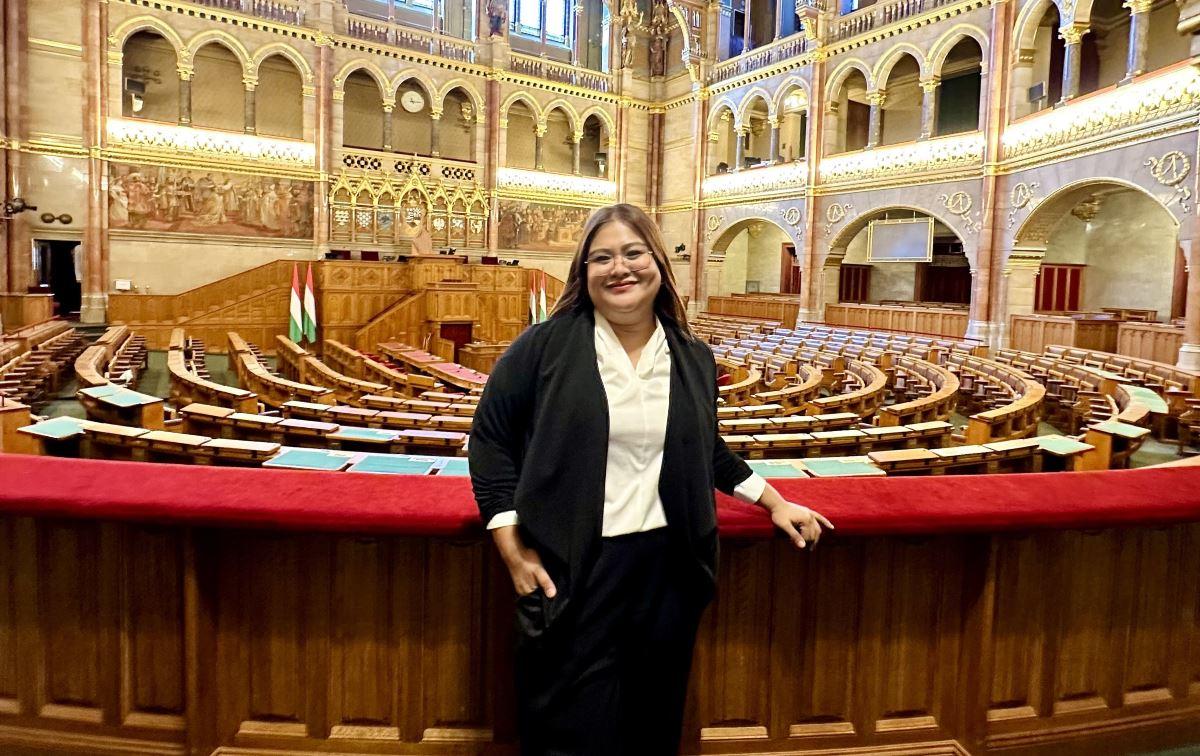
530,225
158,198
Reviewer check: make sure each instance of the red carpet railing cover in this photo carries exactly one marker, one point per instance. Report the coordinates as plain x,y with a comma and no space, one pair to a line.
432,505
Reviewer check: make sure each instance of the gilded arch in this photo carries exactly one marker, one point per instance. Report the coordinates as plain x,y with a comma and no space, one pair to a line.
121,35
372,70
942,47
223,38
290,53
883,69
837,79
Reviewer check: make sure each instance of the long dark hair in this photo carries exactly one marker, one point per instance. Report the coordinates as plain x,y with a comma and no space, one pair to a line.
668,305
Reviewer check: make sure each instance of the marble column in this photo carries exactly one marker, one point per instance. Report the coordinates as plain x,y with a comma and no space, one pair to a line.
250,115
435,133
739,148
1139,31
575,140
1072,36
494,143
875,126
323,132
19,269
929,89
539,138
93,304
185,95
774,148
1189,351
388,107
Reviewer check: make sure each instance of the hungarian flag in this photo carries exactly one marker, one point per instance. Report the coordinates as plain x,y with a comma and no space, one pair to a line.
532,298
542,314
295,317
310,309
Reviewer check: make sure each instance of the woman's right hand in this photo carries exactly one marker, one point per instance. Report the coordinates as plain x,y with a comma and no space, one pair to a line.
524,565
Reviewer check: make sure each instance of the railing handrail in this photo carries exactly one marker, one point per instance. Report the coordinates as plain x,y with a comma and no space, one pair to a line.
399,34
569,73
750,59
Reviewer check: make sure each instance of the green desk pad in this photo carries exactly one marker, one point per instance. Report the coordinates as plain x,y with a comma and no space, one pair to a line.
393,464
310,459
56,429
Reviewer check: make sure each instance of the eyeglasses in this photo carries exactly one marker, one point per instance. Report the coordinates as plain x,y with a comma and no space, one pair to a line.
635,260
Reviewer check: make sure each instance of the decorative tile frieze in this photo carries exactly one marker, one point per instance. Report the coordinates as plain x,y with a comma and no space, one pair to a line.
904,161
539,184
1174,94
785,178
158,140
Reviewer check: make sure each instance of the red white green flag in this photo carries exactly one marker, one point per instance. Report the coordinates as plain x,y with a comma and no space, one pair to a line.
295,316
310,309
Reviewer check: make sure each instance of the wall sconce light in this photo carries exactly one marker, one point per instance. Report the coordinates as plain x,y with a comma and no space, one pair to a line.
64,218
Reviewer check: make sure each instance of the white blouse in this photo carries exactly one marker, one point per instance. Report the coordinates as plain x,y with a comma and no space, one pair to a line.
638,397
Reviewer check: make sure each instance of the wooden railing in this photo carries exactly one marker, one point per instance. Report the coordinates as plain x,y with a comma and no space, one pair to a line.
929,320
564,73
17,310
404,320
397,35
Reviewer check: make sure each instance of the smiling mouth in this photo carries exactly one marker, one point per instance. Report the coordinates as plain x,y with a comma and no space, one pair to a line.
622,286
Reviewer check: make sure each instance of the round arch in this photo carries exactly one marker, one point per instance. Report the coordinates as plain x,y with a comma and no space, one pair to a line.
122,33
372,70
758,93
516,97
752,248
428,87
464,86
573,119
599,112
847,233
838,78
1034,232
279,48
714,113
786,88
1028,19
225,39
942,47
883,69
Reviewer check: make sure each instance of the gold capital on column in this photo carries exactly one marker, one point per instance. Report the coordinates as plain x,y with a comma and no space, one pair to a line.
1073,34
931,84
1138,6
877,98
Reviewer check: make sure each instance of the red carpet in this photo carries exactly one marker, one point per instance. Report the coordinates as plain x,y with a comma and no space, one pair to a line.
430,505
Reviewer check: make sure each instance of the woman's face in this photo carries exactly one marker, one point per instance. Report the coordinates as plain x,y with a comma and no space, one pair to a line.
622,277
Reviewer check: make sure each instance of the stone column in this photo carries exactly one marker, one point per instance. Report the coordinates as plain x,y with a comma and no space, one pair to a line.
388,107
774,148
739,148
185,94
576,138
1139,30
435,136
929,89
875,127
492,160
1073,37
324,132
93,305
1189,351
251,114
19,235
539,137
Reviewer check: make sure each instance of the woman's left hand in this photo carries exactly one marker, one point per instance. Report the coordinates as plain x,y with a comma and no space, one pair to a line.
801,524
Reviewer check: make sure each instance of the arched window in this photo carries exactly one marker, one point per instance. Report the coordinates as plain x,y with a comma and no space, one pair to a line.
151,84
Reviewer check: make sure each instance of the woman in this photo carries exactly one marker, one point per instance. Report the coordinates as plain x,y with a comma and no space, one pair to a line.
594,453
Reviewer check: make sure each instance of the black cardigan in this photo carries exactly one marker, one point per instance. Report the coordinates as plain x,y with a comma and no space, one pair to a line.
539,445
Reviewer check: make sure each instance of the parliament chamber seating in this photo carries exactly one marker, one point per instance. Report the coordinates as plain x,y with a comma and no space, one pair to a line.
874,411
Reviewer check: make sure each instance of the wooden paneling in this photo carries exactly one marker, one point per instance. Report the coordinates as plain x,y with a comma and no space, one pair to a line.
18,310
117,637
784,309
928,320
1032,333
1150,341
